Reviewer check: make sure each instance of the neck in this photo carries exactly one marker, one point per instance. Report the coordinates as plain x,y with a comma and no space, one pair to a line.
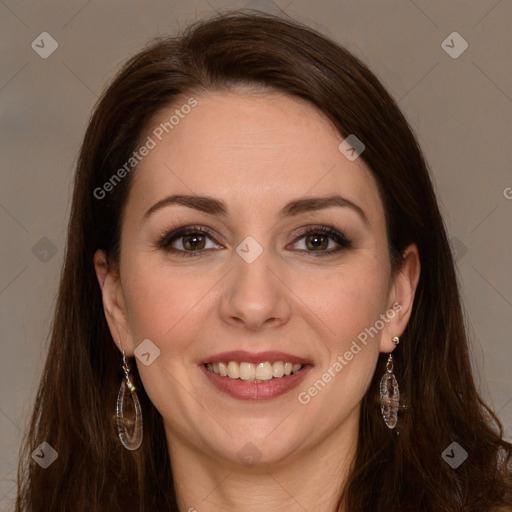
308,479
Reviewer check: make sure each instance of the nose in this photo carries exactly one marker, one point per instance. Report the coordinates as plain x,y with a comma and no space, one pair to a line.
255,294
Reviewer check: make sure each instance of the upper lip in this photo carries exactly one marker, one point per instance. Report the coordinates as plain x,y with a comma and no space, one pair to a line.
254,357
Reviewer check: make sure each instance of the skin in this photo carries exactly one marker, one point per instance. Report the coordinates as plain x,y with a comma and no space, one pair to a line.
255,151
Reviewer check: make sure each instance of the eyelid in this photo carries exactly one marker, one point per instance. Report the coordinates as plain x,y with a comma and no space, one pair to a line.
169,235
322,228
331,232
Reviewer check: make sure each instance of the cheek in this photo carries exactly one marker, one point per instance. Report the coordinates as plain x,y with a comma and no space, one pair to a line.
350,306
352,310
347,301
163,306
158,302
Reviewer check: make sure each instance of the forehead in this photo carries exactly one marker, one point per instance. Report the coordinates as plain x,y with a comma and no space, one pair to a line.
253,150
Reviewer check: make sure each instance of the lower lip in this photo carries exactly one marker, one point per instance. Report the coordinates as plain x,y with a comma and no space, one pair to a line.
243,390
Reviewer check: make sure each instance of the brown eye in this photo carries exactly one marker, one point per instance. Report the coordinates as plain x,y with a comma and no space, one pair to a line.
315,242
193,242
322,241
188,241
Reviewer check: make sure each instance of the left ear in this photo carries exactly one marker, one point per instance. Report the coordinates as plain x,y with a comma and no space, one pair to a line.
401,297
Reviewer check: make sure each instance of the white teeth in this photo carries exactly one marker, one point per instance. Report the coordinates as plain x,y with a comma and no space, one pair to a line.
296,368
223,369
264,371
278,369
250,372
233,370
247,371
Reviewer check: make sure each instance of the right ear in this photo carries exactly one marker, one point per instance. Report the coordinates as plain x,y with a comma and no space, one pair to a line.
113,303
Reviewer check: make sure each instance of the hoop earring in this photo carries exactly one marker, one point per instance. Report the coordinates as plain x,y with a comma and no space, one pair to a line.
128,429
389,393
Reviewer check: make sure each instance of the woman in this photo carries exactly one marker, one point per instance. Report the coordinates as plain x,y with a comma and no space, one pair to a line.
258,308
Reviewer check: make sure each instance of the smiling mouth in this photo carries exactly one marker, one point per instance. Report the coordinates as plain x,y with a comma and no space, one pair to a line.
254,373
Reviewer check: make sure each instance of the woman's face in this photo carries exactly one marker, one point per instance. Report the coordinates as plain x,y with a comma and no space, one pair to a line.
245,277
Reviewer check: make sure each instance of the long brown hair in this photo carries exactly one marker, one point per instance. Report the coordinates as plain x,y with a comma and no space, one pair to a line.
75,402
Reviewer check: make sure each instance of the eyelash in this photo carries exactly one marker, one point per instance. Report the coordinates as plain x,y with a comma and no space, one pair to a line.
167,238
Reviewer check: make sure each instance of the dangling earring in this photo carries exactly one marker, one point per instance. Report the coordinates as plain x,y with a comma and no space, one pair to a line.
128,429
389,393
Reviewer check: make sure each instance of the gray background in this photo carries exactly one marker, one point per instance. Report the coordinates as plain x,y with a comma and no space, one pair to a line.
460,109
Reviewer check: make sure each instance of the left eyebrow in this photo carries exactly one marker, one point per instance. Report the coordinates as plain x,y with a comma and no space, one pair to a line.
215,206
311,204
